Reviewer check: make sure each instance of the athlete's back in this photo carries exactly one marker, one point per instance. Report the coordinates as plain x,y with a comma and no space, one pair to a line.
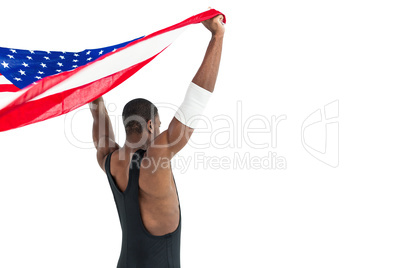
140,247
140,174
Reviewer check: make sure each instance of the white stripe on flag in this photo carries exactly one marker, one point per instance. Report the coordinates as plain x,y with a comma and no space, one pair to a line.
4,81
116,62
7,97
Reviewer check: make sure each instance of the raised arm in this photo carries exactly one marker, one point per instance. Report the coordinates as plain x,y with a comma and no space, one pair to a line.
177,135
102,131
208,71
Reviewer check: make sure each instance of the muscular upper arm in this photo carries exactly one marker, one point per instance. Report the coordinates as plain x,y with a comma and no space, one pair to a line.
170,141
102,131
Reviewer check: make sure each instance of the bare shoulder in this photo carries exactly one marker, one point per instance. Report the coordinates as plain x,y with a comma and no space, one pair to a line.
118,165
103,151
115,162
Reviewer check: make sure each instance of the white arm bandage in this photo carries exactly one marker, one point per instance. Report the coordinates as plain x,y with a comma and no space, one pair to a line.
193,105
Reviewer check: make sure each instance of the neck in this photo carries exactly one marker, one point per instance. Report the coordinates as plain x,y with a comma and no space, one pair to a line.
135,142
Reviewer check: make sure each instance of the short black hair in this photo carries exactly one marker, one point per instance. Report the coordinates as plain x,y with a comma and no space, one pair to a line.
137,113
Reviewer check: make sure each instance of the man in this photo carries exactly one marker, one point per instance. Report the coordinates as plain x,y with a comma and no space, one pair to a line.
140,174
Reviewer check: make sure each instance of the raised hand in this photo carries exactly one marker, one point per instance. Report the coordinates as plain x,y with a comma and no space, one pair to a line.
215,25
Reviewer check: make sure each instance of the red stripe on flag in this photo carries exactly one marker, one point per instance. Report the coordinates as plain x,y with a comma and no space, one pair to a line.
9,88
192,20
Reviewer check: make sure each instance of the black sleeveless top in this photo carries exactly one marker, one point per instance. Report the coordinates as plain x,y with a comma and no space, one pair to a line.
141,249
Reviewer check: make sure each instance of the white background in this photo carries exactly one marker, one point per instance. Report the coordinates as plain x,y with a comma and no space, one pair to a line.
279,58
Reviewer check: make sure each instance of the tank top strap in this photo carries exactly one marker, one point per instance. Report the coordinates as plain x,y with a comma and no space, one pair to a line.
107,167
134,171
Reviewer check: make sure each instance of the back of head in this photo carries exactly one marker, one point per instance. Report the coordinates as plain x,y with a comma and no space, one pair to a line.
136,114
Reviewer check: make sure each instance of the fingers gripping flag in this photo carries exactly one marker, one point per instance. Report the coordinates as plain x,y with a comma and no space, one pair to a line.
38,85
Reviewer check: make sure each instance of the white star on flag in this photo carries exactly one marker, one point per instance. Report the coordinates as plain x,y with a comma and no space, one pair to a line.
5,65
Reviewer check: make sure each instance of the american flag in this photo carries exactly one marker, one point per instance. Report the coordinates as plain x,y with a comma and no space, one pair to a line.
26,67
38,85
